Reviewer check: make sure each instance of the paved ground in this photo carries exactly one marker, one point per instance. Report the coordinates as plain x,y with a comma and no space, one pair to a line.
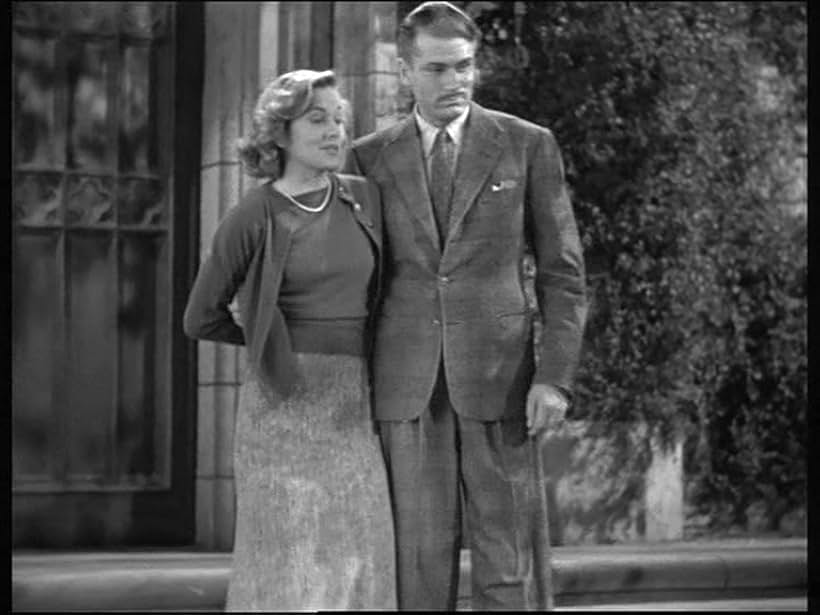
774,605
755,575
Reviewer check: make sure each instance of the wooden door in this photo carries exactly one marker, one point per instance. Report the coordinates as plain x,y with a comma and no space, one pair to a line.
105,153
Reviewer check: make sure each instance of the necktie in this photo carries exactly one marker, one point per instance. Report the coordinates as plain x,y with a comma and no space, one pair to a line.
441,180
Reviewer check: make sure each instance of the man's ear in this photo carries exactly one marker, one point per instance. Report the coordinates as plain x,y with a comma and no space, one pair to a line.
404,72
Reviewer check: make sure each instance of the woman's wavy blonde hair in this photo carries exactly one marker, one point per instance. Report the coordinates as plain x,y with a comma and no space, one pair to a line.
283,100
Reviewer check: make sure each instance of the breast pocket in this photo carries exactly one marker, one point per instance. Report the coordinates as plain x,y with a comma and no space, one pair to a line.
498,211
498,185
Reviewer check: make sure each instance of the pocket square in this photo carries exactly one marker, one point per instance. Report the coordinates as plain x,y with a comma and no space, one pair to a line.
504,184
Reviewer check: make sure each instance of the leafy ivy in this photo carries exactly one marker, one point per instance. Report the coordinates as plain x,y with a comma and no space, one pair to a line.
680,125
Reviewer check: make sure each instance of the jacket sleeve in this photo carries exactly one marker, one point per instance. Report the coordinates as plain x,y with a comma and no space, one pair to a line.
560,283
223,270
352,165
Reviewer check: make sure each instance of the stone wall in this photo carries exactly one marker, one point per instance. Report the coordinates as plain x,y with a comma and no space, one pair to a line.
364,58
238,51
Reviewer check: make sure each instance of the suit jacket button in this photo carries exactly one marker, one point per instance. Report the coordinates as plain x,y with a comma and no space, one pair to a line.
436,321
357,207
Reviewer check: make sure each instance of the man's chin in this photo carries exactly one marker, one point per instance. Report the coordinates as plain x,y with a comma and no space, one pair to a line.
450,112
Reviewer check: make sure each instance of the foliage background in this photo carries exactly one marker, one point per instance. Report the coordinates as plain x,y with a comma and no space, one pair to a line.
683,129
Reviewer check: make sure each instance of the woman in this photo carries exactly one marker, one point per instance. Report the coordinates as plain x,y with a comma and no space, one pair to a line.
300,253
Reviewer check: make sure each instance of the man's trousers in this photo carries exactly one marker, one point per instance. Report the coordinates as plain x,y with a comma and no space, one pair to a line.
435,461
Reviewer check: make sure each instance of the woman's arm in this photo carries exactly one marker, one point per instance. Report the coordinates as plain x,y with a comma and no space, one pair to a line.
207,315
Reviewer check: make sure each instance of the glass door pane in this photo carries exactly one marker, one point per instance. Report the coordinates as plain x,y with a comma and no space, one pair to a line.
36,335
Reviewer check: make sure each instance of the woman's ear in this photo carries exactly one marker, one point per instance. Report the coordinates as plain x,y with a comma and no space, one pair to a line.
280,136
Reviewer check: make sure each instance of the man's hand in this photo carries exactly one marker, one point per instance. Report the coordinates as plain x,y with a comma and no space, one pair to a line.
546,407
233,306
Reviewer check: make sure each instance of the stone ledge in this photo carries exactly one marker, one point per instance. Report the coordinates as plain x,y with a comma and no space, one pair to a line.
197,581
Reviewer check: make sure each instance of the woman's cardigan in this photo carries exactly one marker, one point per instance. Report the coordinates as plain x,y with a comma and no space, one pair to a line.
247,259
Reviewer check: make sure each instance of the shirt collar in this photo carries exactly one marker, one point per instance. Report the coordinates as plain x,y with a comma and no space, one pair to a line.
428,132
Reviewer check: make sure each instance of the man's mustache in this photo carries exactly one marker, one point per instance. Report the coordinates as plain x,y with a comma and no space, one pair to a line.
452,96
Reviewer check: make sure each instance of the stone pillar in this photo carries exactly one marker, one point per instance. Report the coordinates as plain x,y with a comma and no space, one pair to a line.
595,498
240,46
364,57
663,495
294,35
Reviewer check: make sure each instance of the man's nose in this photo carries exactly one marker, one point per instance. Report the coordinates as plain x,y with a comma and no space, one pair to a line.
447,78
454,79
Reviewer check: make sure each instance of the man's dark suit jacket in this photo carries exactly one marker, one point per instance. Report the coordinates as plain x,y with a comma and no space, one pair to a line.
467,301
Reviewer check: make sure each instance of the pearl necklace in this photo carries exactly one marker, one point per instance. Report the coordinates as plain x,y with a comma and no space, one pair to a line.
313,210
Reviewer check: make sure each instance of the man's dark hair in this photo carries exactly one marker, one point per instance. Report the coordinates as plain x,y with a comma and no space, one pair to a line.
438,19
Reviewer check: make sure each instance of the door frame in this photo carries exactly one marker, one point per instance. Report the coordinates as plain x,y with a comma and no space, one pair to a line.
188,83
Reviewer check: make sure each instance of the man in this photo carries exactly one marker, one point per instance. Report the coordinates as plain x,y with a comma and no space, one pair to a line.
456,392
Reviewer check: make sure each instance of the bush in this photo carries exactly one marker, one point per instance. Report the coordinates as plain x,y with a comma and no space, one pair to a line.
674,120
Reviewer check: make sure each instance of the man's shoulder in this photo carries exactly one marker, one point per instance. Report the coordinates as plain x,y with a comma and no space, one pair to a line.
370,140
379,138
515,124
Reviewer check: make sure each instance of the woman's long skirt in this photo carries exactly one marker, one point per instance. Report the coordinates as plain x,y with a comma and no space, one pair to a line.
314,529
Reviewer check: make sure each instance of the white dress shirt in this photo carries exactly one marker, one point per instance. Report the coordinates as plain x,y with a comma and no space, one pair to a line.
428,135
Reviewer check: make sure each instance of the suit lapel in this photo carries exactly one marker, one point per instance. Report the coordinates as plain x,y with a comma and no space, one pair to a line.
480,150
404,159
